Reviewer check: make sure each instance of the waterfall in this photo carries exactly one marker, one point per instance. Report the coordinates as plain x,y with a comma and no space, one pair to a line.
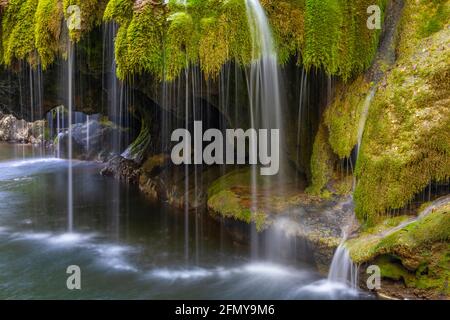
363,118
263,86
362,125
342,268
87,133
111,84
58,130
114,89
70,74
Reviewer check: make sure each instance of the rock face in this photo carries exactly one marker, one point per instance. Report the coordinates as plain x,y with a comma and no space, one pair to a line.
15,130
93,140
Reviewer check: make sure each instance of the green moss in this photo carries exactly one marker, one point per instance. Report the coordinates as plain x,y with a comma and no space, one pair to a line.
120,11
421,19
137,149
18,22
229,206
343,115
418,254
49,17
321,163
91,12
165,39
407,242
288,27
337,38
406,142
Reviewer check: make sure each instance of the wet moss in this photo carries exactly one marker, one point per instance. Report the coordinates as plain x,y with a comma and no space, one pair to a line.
406,142
321,164
406,242
418,254
287,19
165,39
343,115
18,37
337,38
91,13
49,15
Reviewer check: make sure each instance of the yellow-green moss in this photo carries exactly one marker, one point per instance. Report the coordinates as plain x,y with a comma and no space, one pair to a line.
337,38
91,12
18,22
49,17
165,39
288,26
421,18
418,254
321,163
406,142
343,115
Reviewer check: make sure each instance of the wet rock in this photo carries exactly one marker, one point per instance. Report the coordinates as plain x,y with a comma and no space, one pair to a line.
161,180
122,169
93,140
287,208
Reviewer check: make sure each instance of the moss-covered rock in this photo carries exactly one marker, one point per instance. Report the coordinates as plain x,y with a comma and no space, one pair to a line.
417,253
233,196
342,117
322,160
406,142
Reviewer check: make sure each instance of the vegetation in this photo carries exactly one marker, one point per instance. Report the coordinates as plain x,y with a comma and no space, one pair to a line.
165,39
406,143
418,254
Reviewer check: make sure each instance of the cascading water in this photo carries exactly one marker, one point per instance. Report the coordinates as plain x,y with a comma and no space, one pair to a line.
363,117
70,74
264,88
342,269
114,88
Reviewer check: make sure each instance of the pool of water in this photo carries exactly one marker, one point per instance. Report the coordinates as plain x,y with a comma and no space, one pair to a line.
125,246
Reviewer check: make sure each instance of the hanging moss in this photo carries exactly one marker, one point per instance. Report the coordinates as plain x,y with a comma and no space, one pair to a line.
225,38
288,26
91,13
406,143
143,41
49,17
323,19
337,38
120,11
179,44
18,22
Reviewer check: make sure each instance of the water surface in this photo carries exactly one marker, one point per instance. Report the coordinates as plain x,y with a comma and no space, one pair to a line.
126,247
